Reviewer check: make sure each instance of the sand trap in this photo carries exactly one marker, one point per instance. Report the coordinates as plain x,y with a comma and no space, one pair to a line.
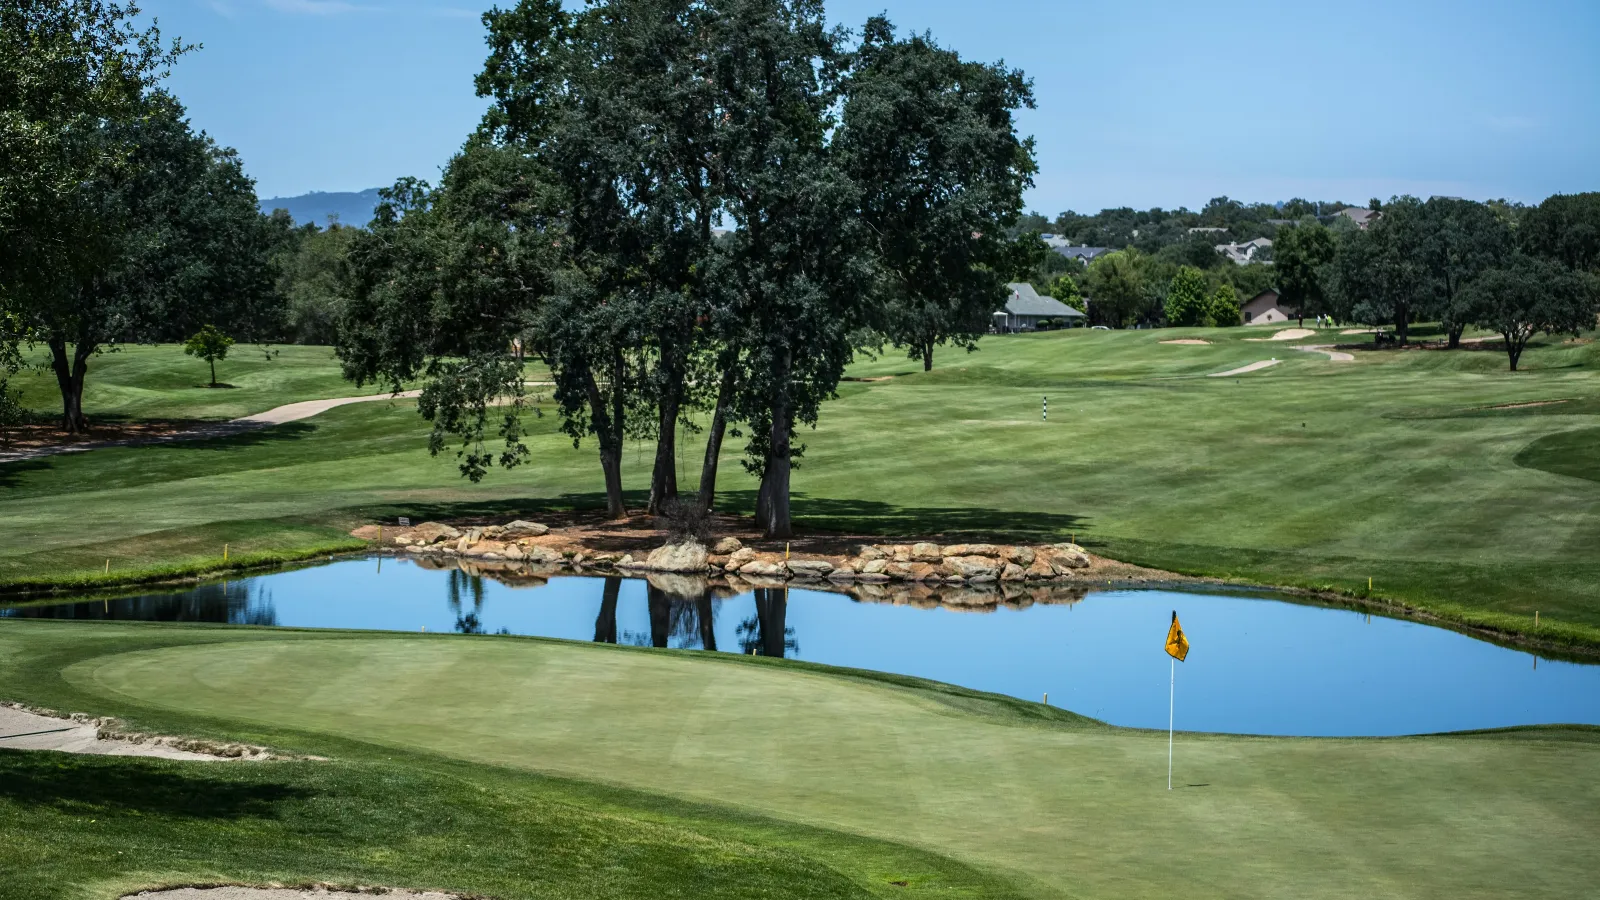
1190,341
284,894
1293,334
24,730
1332,354
1359,331
1253,367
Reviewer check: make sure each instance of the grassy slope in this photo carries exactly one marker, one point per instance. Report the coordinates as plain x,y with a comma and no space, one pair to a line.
1053,804
1311,473
92,828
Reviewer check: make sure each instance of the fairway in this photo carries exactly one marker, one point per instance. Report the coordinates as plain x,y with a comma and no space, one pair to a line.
1057,805
1422,470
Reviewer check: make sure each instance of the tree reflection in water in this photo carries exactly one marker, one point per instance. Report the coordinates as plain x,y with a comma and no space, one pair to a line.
765,633
230,603
605,624
471,622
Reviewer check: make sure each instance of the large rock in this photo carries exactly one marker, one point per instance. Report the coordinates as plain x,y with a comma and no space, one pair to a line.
538,555
1013,572
1022,556
761,569
810,568
874,566
843,573
740,558
727,545
926,552
970,567
900,553
523,529
972,550
434,533
689,556
484,548
916,571
869,552
1041,568
1065,557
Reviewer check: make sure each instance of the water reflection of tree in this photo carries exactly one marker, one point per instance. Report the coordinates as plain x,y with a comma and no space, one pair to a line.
230,602
765,632
605,624
457,581
686,621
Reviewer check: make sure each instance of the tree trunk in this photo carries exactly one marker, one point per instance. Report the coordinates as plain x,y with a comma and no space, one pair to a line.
213,372
719,428
771,614
605,624
1402,326
1454,332
69,378
664,480
773,507
927,357
1513,348
607,423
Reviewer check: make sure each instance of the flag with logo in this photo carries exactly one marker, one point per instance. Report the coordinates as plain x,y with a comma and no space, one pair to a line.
1177,644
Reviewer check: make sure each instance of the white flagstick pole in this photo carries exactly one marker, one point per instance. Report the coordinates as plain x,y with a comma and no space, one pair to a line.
1172,687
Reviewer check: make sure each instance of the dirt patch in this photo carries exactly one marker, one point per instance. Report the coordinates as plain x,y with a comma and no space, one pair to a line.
22,728
1253,367
1189,341
287,894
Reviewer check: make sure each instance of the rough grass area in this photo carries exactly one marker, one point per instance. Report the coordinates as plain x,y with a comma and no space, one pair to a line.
1423,470
521,768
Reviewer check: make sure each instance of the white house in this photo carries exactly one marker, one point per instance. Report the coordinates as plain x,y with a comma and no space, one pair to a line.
1245,253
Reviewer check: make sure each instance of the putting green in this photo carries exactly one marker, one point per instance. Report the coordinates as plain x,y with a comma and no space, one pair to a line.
1066,808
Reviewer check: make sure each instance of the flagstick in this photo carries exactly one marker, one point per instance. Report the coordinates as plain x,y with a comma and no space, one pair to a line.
1172,688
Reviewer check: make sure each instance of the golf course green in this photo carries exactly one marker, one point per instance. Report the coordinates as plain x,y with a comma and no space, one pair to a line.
1425,471
733,776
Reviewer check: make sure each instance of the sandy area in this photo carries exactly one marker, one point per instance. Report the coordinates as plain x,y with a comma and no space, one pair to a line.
284,894
1186,341
1358,331
1253,367
24,730
1288,334
1332,354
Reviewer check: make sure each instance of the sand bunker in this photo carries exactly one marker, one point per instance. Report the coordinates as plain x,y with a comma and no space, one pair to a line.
1186,341
1332,354
21,729
1293,334
284,894
1253,367
1359,331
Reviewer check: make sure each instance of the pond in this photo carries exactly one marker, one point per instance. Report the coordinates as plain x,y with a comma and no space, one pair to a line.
1257,665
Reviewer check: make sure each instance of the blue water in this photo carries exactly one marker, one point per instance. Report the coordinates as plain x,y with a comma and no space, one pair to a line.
1258,666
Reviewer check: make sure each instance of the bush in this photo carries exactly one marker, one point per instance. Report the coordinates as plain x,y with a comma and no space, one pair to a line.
683,520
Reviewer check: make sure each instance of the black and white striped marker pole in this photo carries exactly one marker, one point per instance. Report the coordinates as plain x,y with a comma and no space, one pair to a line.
1045,413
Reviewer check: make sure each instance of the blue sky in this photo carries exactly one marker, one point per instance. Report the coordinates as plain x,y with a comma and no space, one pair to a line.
1154,103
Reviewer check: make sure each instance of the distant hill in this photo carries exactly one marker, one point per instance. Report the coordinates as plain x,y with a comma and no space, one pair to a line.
351,208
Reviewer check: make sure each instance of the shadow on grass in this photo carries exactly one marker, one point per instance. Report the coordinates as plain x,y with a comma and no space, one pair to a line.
86,785
811,514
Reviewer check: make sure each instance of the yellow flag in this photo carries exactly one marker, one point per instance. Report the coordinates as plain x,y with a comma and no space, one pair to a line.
1177,644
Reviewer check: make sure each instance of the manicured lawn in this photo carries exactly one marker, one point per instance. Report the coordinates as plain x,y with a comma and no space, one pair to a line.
1416,469
698,775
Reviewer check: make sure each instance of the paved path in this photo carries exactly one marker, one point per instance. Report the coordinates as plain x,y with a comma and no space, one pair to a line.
1334,355
1253,367
292,412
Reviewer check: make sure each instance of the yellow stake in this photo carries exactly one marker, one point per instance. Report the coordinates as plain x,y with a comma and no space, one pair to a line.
1536,618
1369,584
785,551
1046,698
108,567
224,552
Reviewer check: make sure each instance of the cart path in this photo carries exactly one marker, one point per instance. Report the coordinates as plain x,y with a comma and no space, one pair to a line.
1332,354
289,412
1253,367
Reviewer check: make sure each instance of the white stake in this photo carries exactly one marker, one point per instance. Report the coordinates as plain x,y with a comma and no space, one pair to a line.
1172,688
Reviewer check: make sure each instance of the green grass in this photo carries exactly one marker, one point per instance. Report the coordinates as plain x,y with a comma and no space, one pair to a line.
1405,467
523,768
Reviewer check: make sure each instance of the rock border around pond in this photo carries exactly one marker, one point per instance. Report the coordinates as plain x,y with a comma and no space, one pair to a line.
536,545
